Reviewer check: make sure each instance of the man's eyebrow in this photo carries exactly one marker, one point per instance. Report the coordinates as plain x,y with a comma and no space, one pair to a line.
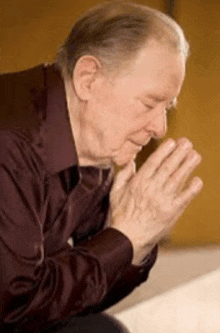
155,98
172,104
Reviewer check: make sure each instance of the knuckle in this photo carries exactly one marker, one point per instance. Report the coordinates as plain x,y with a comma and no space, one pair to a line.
150,162
171,186
183,202
168,210
166,168
133,185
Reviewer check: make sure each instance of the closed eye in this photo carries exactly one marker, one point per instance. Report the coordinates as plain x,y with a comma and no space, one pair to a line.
149,107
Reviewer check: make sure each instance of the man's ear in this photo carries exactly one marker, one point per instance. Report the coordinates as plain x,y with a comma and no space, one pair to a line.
85,72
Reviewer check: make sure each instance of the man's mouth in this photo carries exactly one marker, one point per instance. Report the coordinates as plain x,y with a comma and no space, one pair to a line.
140,144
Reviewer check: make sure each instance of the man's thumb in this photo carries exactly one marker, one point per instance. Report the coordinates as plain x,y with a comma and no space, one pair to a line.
124,175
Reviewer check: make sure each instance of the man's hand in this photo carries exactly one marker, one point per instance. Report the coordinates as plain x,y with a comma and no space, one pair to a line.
146,205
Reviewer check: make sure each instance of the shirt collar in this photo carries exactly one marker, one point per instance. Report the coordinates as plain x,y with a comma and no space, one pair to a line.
60,150
59,145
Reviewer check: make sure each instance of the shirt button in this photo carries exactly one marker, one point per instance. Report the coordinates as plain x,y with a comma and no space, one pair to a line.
70,209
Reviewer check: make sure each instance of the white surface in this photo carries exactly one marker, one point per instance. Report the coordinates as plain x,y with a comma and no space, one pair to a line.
192,308
181,296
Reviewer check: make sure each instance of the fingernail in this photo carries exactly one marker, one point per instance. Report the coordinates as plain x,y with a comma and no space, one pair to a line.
171,143
199,182
195,156
186,144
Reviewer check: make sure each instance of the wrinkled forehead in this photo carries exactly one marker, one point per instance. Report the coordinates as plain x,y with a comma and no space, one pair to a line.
156,71
157,60
154,54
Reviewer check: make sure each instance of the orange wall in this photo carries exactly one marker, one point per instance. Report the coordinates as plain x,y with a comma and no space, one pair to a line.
198,117
31,30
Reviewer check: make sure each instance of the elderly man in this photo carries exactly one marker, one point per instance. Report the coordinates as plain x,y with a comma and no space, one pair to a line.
73,242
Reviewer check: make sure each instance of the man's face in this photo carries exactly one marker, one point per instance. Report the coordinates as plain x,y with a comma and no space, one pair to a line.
127,110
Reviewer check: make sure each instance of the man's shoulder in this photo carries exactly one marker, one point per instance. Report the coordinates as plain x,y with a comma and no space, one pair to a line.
10,144
21,94
18,152
33,116
24,73
13,83
22,102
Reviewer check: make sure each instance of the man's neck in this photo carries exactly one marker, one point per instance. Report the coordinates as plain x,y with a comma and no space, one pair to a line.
74,106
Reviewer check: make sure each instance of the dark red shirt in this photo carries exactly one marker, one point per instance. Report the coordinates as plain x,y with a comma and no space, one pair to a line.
47,199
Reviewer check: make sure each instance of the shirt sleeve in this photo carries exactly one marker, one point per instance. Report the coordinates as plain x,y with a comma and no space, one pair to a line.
36,289
130,279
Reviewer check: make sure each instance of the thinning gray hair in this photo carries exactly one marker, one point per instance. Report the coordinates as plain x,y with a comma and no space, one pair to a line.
114,32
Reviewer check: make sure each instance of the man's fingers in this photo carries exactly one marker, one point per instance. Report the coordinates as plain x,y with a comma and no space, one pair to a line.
173,162
177,180
186,196
154,161
123,176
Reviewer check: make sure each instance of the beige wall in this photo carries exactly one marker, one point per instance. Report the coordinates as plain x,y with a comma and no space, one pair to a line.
31,30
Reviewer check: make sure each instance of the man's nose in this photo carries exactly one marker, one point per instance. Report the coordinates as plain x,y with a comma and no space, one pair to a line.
158,124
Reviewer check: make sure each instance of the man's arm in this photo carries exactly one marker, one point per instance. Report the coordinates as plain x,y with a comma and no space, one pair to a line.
130,279
36,289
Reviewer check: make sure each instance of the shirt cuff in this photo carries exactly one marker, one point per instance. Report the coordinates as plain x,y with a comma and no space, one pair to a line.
113,250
